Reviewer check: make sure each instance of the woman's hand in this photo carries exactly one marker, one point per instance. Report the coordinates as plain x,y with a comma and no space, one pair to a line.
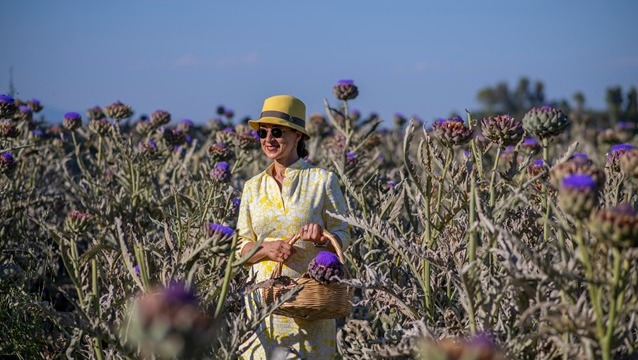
314,233
277,250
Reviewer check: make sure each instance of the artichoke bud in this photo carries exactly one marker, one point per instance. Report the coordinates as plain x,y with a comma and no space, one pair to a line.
325,268
578,195
617,225
545,122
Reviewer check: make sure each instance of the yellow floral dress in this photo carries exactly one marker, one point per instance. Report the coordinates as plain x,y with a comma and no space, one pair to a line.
306,196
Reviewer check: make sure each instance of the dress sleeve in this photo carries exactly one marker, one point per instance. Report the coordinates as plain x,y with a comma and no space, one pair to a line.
245,230
336,203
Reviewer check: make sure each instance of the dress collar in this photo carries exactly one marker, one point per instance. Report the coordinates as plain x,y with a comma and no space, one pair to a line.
300,164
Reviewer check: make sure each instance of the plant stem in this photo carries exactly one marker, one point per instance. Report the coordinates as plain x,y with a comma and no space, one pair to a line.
448,159
614,294
229,267
97,342
472,241
546,193
493,178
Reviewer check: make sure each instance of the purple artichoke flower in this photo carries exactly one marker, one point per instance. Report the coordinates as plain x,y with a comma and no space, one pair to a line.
137,270
24,113
578,195
35,105
247,140
118,111
345,90
185,125
452,132
221,172
617,226
577,163
72,121
7,106
221,230
233,208
614,155
7,163
220,152
325,267
351,159
160,118
229,113
503,130
8,129
530,144
95,113
174,137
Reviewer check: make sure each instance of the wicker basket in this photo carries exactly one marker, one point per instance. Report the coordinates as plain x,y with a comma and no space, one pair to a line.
314,301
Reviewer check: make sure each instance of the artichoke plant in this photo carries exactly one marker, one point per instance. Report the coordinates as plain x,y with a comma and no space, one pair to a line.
72,121
452,132
617,225
7,163
118,111
325,267
578,163
628,162
7,106
345,90
160,118
502,129
614,154
578,195
545,122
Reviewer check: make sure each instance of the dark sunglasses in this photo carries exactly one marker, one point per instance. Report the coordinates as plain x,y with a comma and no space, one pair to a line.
275,132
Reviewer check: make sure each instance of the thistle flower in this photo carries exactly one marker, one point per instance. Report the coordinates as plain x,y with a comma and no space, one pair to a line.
502,129
101,127
545,121
72,121
8,129
614,155
34,105
143,127
345,90
530,144
221,172
24,113
628,163
95,113
168,323
220,110
351,159
173,137
577,163
78,222
325,267
7,106
185,125
7,163
148,147
247,140
118,111
608,137
220,152
221,230
229,113
617,225
578,195
452,132
160,118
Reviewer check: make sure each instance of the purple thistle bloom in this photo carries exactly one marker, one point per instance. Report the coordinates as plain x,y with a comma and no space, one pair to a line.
391,184
7,157
189,139
327,259
579,182
539,162
151,144
223,230
621,147
6,99
580,156
187,122
351,155
71,115
137,270
346,82
255,134
547,108
221,172
229,113
457,118
530,142
177,293
223,166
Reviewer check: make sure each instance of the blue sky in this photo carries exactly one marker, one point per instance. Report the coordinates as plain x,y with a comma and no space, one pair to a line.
415,57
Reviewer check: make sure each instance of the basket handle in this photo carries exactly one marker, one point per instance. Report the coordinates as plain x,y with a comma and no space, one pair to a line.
277,271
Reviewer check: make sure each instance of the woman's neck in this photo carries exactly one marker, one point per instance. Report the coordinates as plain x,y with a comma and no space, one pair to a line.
279,169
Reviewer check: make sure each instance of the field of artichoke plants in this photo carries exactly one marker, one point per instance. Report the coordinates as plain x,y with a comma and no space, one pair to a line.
505,237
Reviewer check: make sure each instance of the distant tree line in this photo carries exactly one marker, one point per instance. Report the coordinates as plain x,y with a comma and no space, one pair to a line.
525,95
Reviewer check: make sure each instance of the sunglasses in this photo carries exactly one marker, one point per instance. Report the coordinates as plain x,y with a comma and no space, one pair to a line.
275,132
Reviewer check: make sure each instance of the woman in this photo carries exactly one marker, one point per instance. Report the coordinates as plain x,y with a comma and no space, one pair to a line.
290,197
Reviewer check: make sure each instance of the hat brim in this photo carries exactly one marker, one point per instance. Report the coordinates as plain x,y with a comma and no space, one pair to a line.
254,124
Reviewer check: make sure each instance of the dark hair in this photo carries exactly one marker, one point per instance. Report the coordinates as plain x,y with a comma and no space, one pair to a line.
302,152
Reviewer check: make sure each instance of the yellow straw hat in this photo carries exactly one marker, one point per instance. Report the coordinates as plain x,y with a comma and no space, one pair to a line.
284,110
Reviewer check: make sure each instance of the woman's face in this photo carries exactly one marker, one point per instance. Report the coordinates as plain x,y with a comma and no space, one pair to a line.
282,149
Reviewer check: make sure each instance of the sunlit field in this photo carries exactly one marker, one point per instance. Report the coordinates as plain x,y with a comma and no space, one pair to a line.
500,235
